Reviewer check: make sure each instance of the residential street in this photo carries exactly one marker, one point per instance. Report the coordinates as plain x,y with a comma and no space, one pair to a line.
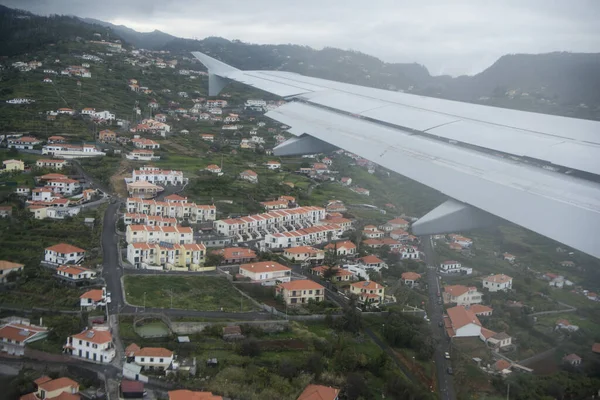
435,312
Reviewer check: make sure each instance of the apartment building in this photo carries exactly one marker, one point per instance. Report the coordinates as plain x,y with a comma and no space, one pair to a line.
155,234
170,256
144,219
49,163
271,222
16,333
173,207
303,237
158,176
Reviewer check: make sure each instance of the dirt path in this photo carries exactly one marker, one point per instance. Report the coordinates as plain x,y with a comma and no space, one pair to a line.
117,181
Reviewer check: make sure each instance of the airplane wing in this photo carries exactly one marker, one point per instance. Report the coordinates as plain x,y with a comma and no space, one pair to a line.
536,170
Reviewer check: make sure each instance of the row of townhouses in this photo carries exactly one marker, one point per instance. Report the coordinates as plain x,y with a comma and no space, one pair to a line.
276,221
174,206
157,176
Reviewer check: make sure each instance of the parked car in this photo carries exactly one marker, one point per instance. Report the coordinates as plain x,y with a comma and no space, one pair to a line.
450,371
447,355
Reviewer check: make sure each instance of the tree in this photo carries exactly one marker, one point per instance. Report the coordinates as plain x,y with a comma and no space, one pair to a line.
249,348
314,365
356,386
351,320
214,259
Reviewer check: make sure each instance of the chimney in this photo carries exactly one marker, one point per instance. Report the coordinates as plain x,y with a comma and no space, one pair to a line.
41,324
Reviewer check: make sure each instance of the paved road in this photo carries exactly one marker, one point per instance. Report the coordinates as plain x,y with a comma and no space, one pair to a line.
445,381
111,271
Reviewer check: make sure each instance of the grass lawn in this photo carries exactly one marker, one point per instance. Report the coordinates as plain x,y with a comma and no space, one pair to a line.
202,293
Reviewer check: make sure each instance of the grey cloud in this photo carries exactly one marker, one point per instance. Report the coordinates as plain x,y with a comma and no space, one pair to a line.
457,37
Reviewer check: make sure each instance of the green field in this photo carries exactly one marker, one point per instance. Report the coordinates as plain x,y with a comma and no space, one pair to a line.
202,293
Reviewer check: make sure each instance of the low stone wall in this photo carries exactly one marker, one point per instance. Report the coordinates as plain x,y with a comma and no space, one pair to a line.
187,328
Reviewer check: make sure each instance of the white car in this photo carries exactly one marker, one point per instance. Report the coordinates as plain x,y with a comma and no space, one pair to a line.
447,355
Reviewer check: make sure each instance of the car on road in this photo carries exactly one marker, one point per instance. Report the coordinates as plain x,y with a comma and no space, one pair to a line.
441,324
450,371
446,355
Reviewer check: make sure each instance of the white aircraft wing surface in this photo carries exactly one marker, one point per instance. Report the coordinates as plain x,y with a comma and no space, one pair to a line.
536,170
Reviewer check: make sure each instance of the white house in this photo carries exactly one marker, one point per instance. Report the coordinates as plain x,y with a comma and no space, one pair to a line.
273,165
267,273
156,175
64,186
42,194
495,283
462,295
461,322
372,262
304,254
16,332
91,344
142,143
454,267
105,115
92,299
54,164
343,248
153,358
249,175
63,253
22,143
75,273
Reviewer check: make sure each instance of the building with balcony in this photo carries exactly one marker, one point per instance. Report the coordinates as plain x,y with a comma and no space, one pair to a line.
300,292
92,345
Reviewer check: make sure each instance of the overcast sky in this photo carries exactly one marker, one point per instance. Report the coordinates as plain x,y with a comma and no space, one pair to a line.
448,36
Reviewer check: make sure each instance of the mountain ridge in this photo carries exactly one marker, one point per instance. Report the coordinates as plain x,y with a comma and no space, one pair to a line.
558,83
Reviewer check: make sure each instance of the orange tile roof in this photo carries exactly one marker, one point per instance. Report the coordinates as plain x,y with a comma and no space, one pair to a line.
343,244
301,284
94,336
59,383
501,365
370,259
153,352
456,290
64,248
184,394
18,332
499,278
73,269
319,392
4,265
411,276
42,379
94,294
487,333
369,285
398,221
303,249
29,396
249,172
265,266
131,349
213,167
460,317
230,253
480,309
175,197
